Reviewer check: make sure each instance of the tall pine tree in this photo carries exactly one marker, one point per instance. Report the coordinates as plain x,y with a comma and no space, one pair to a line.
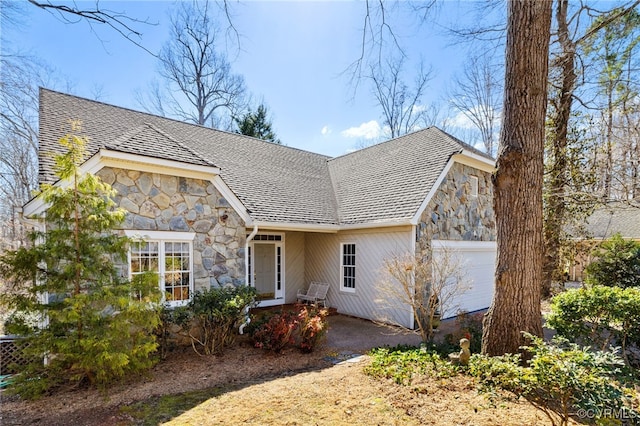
257,125
89,324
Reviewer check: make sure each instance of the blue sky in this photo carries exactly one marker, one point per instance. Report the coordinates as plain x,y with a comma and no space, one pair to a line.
293,55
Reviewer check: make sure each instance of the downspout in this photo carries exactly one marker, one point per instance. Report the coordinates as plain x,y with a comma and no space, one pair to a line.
247,319
413,245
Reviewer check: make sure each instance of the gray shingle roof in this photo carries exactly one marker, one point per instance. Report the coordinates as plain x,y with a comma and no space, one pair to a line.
390,180
610,220
152,142
276,183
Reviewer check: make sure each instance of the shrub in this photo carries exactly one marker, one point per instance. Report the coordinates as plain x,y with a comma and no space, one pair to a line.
312,327
617,263
599,316
212,317
171,319
305,328
561,378
277,332
403,364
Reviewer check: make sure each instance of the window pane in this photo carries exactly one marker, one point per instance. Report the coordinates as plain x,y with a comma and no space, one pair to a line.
177,272
349,266
145,256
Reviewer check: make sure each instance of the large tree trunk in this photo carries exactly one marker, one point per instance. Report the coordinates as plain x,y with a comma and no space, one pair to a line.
555,211
518,181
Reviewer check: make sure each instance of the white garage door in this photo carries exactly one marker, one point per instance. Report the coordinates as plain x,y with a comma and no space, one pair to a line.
478,261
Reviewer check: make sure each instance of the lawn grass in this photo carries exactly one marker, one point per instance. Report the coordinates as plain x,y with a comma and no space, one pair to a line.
160,409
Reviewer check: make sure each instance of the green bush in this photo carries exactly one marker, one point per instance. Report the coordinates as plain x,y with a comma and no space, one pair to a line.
599,316
403,364
212,317
169,317
617,263
560,379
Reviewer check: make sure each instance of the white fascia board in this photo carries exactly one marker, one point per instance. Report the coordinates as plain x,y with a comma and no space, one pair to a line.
373,225
292,226
464,245
33,208
474,160
233,200
108,158
328,228
436,185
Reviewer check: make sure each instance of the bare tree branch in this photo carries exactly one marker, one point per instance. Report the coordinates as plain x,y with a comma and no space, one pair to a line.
199,85
401,104
121,23
477,94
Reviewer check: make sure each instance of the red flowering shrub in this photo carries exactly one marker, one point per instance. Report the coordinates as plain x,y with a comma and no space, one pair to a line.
312,327
305,328
277,332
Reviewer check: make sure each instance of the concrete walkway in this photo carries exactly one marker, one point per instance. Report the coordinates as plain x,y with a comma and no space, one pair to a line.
349,334
354,334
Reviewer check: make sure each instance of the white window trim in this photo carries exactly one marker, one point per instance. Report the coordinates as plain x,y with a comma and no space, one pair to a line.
342,266
163,237
473,180
160,235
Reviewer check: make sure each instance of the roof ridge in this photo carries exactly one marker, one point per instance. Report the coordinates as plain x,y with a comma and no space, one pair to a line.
384,142
465,145
200,126
181,144
125,136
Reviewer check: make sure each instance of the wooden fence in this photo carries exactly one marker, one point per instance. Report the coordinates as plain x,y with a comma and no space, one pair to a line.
11,355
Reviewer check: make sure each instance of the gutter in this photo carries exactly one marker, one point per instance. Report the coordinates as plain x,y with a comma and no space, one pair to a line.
35,223
247,320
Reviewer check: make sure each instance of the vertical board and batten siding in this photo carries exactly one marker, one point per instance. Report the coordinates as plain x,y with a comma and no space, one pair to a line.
373,246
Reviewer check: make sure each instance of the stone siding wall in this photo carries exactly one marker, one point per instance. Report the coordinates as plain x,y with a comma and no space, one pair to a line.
157,202
454,214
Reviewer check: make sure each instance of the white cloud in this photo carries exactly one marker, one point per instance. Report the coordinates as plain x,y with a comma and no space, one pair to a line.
369,130
325,130
462,121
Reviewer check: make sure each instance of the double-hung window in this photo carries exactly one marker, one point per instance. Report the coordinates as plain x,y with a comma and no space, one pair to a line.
348,267
170,255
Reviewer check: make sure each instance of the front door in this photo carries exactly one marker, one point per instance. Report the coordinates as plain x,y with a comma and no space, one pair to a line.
266,263
265,279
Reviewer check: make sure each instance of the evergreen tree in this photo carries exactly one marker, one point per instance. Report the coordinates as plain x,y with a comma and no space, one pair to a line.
68,298
257,125
617,263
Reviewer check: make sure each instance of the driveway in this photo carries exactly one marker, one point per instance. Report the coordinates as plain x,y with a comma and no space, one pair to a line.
359,335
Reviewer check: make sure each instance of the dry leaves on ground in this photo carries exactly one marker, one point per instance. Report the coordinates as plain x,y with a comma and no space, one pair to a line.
260,388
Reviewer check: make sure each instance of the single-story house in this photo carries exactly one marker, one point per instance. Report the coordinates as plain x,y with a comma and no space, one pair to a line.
237,210
603,223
